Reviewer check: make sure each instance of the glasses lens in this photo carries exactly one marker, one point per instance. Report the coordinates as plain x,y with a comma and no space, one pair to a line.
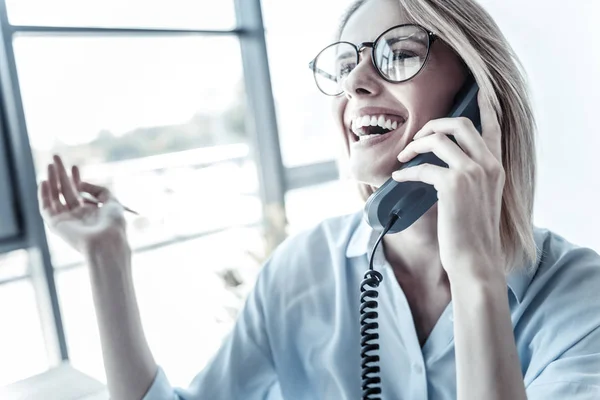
333,65
401,52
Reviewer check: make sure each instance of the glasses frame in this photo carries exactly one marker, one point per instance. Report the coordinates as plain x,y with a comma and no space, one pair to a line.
431,37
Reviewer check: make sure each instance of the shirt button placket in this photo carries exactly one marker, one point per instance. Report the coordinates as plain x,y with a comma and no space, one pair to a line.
417,368
420,389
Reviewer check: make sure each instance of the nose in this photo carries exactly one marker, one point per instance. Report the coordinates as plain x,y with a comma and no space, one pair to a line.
363,80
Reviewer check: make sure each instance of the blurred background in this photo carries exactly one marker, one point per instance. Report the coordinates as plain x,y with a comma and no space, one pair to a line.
203,116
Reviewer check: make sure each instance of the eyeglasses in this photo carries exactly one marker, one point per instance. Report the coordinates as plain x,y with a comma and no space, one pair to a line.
398,54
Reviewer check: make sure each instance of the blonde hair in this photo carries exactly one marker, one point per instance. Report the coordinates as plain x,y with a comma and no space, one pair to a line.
474,36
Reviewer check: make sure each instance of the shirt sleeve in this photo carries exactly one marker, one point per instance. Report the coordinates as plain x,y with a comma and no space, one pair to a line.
563,390
243,366
575,375
572,313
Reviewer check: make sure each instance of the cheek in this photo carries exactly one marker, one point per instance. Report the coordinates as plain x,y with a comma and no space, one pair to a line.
338,106
431,93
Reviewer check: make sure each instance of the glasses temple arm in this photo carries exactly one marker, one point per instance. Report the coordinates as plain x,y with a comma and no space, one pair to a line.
311,65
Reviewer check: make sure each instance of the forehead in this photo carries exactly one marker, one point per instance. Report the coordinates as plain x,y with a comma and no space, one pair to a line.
371,19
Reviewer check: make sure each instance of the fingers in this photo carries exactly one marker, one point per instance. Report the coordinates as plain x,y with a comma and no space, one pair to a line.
59,183
436,176
44,198
99,192
76,177
66,185
463,131
78,186
441,146
55,201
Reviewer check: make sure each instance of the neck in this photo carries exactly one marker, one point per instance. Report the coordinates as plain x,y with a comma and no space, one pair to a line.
414,252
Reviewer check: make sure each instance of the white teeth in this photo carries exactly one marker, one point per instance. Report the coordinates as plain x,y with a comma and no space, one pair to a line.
358,123
356,129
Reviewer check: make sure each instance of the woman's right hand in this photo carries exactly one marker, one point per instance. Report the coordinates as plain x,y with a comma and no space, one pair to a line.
86,226
99,233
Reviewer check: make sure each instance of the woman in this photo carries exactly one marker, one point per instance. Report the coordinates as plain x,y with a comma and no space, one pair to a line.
476,303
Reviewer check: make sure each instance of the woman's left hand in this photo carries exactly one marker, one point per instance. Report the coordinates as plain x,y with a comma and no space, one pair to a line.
469,190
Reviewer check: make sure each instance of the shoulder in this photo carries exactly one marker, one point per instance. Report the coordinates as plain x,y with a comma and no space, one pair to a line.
564,266
565,284
330,235
308,263
310,256
559,314
318,244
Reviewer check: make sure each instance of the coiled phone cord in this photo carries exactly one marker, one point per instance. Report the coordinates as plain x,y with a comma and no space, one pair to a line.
368,321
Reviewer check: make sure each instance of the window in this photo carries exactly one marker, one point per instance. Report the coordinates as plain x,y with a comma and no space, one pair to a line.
199,14
165,130
151,102
22,347
306,126
310,205
189,294
149,118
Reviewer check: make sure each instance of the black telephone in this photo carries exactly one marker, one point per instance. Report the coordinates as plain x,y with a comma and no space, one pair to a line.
410,200
392,208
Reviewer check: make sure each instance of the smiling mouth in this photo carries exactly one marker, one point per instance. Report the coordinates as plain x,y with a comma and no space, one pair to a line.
368,127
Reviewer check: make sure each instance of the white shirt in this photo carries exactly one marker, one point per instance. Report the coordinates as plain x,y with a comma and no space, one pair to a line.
298,335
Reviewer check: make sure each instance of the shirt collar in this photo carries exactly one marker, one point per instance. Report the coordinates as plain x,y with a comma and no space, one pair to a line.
363,238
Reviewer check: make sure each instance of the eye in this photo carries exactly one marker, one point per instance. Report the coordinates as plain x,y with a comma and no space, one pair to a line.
403,55
344,69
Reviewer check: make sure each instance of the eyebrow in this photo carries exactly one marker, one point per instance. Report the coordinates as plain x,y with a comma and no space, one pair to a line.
406,38
346,55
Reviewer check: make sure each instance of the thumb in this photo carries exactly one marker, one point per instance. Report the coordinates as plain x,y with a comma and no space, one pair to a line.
99,192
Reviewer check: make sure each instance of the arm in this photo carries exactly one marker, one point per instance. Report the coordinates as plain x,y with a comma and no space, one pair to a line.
487,363
242,368
129,364
99,234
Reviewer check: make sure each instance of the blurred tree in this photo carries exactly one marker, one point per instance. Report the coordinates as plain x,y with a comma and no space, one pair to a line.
235,116
201,130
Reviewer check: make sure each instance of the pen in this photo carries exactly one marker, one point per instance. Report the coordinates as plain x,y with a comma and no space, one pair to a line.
88,197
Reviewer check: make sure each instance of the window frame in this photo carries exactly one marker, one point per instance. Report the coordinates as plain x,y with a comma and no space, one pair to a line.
27,225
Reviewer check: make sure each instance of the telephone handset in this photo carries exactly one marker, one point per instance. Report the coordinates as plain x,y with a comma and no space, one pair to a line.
393,208
409,200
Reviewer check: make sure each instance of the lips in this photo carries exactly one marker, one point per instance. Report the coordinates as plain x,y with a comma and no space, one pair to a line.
365,141
375,124
365,122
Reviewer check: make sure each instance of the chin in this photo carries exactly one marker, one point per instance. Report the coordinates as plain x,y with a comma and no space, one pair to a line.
372,173
371,178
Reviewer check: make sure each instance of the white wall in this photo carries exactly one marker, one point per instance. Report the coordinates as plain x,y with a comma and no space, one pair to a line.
558,43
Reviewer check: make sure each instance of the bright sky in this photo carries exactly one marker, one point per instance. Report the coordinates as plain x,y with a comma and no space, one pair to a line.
73,87
203,14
